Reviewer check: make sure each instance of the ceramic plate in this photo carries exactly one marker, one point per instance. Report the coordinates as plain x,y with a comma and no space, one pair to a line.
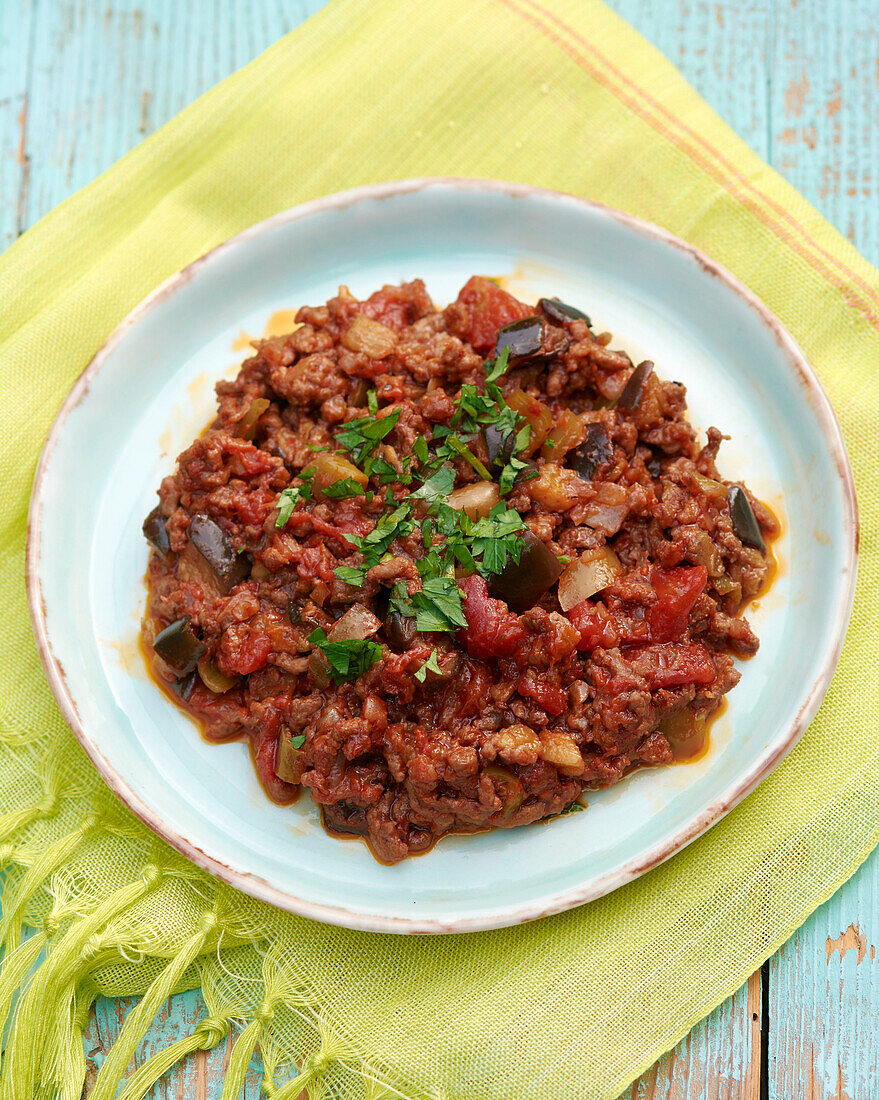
149,392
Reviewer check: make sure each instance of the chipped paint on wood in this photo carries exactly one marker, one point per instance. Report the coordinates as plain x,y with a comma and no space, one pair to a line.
852,939
718,1060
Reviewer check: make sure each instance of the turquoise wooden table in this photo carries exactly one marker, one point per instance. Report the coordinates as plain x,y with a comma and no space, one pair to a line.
82,82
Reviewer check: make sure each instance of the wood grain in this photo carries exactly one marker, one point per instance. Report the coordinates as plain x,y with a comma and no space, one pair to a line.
82,82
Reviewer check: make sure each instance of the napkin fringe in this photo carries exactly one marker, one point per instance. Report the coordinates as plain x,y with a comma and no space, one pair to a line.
50,979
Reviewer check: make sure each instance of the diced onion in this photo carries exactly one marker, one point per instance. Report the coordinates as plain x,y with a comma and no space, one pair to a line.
357,622
556,488
245,427
537,415
476,500
592,573
609,509
507,787
711,488
370,337
213,679
558,749
705,551
331,466
288,761
565,435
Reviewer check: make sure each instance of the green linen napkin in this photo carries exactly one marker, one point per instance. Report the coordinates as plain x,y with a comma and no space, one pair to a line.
560,93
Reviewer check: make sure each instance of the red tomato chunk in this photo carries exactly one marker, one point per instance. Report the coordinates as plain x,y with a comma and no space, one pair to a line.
492,629
488,308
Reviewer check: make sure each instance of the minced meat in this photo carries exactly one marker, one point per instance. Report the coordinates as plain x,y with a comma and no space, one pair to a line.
415,689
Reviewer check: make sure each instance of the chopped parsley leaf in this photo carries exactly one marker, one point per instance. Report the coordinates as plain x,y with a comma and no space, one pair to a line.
384,471
362,436
340,490
349,659
289,500
350,575
498,367
437,607
430,665
474,409
454,447
496,537
437,485
391,525
510,475
420,450
298,741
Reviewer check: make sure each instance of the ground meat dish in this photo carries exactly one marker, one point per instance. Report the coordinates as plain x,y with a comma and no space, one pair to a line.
450,568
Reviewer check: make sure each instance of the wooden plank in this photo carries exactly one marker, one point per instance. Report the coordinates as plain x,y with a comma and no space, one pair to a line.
722,47
718,1060
824,982
198,1077
103,76
824,997
825,108
16,33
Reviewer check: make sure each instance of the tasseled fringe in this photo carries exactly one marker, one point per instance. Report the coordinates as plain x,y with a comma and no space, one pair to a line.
45,1005
139,1019
242,1052
15,968
26,1050
55,856
16,820
206,1035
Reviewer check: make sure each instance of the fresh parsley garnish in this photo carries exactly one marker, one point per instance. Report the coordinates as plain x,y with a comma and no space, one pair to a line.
498,367
298,741
454,447
437,607
497,538
430,665
340,490
438,485
361,437
346,660
292,497
391,525
450,538
511,474
350,575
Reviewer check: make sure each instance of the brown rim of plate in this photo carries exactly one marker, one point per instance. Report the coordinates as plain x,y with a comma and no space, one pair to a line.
258,887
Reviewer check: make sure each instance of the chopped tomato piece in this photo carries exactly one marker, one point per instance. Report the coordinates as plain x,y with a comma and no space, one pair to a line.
551,697
492,629
317,563
486,308
672,664
676,592
242,652
599,629
390,308
264,750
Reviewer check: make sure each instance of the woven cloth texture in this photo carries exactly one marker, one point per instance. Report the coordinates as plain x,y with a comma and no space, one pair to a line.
562,94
